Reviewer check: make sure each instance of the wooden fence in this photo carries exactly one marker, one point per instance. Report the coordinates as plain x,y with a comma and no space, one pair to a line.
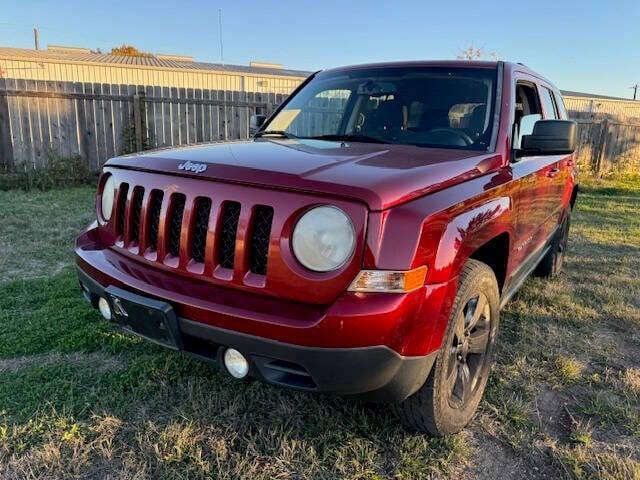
98,121
607,143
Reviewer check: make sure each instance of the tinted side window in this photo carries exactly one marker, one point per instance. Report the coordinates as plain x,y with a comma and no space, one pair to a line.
549,104
527,112
562,111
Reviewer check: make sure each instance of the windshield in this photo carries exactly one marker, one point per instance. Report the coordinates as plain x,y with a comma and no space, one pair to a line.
432,106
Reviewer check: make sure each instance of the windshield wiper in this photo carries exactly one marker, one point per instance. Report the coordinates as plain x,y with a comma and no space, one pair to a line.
279,133
349,138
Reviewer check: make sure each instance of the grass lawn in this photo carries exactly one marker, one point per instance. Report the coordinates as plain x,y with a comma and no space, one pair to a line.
79,399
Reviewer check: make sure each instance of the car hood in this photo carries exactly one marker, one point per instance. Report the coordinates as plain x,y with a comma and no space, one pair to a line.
379,175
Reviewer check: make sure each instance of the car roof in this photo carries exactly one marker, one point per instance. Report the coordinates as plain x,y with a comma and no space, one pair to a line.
417,63
510,67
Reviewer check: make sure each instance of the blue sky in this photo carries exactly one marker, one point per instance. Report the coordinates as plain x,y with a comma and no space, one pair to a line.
588,45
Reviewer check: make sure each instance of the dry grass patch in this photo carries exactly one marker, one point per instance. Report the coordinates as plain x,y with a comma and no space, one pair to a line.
631,379
581,462
570,369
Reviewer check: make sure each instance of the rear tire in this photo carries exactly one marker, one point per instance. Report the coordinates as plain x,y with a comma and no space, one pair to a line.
447,401
552,263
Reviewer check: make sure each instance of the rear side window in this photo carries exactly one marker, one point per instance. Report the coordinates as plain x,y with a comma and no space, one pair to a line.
548,103
562,111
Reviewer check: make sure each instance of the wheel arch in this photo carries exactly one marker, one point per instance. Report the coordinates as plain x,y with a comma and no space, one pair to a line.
495,254
482,233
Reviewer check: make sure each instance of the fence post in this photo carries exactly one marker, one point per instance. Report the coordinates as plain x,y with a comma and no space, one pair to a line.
6,144
602,147
137,119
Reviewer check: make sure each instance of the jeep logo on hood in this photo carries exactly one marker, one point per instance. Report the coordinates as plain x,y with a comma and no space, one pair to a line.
192,167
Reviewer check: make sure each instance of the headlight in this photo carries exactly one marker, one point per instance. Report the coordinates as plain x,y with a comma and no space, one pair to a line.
323,239
108,196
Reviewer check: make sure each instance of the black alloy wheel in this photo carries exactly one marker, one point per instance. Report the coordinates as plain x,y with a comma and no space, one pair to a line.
467,354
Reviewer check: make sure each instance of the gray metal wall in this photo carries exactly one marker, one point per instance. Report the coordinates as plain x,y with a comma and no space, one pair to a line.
618,108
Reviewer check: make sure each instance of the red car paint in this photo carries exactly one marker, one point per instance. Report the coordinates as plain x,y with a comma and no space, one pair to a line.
410,206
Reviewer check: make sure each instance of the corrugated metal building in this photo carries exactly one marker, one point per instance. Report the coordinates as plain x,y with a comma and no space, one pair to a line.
71,64
601,104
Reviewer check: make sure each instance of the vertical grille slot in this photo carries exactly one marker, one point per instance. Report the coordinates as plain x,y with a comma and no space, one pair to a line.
175,225
154,208
260,235
203,209
227,241
136,205
122,202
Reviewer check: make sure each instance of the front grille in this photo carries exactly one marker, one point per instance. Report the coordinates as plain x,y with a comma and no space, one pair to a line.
136,209
155,208
175,223
120,208
189,219
230,217
198,247
263,217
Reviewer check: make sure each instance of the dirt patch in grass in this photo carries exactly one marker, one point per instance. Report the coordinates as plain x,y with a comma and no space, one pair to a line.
551,415
495,460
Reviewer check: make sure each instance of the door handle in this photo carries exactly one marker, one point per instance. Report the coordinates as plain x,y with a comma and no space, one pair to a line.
553,172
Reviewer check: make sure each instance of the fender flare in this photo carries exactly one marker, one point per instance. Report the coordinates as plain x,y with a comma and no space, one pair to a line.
467,232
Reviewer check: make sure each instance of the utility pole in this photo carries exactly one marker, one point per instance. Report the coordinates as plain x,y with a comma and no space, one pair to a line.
36,38
220,27
635,90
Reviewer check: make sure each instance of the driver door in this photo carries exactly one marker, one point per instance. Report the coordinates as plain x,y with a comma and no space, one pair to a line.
533,198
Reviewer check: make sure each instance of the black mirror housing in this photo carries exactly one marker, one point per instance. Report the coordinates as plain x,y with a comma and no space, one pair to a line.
255,122
550,137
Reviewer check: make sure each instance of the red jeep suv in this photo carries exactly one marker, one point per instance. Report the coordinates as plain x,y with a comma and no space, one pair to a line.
362,242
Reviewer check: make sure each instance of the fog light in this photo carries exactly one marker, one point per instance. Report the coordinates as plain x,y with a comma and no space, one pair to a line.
235,363
104,308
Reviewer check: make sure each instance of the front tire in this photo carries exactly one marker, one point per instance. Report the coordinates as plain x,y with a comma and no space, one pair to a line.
447,401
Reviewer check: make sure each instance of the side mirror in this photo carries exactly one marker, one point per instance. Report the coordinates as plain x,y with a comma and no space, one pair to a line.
255,122
550,137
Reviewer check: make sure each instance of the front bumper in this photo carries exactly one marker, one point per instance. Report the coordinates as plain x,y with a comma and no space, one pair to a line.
376,373
382,345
